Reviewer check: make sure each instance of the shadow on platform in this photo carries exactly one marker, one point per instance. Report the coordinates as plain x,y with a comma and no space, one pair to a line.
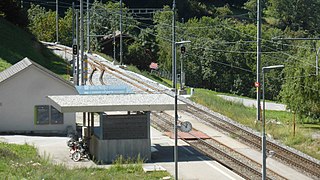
185,154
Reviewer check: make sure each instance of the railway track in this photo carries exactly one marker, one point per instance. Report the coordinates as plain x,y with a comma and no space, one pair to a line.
253,140
244,166
305,165
286,156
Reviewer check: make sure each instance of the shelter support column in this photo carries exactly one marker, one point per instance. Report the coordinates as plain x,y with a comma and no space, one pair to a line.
88,125
92,123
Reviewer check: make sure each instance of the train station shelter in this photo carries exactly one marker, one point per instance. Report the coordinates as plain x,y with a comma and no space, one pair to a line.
124,124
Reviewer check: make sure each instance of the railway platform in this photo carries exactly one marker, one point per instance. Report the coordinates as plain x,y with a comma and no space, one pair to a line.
272,164
192,165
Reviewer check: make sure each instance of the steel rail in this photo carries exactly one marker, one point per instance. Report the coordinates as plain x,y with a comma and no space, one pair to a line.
282,154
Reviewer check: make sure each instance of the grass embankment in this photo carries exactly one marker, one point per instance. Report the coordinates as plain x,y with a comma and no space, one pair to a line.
16,44
283,131
154,77
23,162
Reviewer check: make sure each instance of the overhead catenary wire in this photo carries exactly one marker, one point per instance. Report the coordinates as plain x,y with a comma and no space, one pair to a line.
116,12
44,2
225,64
225,51
220,50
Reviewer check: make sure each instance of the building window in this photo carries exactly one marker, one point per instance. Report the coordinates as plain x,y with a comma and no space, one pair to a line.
45,114
42,114
56,116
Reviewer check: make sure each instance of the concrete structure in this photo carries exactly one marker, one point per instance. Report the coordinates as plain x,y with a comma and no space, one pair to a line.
127,135
24,107
124,129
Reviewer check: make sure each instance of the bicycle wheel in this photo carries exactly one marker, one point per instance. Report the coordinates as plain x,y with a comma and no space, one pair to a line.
76,156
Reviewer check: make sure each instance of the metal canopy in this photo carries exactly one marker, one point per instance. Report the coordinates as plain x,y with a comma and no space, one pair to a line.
102,103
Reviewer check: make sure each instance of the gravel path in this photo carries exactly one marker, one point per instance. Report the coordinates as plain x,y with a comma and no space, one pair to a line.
253,103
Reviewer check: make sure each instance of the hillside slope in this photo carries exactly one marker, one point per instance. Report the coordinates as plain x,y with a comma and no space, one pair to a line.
15,44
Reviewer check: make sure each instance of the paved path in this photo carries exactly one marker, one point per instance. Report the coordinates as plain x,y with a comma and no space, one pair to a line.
253,103
192,164
53,147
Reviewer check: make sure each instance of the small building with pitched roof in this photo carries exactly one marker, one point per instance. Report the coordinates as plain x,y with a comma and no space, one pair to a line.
24,107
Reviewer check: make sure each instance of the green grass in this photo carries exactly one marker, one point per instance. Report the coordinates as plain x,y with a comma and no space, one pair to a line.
109,58
302,140
23,162
17,44
150,76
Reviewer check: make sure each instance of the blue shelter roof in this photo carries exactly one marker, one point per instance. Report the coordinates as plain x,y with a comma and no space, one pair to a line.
104,89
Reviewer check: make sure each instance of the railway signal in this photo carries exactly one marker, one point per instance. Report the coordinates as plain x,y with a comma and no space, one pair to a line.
183,49
74,49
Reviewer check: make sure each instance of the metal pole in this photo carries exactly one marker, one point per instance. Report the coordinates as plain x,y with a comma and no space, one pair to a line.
264,165
173,40
72,22
294,123
73,43
92,123
57,22
77,43
317,62
81,42
258,58
182,75
114,46
88,27
121,52
174,61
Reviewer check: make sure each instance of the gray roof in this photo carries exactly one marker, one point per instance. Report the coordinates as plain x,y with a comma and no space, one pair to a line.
125,102
24,64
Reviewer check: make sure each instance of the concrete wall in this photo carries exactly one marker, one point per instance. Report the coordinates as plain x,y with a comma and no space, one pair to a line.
19,95
107,150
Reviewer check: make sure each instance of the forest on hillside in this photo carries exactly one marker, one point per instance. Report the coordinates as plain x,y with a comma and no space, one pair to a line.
222,53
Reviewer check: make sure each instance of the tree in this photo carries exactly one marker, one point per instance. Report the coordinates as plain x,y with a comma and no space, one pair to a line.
163,30
105,21
143,51
296,14
65,28
300,91
42,23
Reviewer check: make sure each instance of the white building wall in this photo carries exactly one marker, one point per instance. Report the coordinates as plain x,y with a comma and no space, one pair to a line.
19,95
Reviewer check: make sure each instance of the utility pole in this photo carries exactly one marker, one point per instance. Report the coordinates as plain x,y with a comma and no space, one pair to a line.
57,22
258,82
73,23
121,52
81,43
73,43
173,40
174,73
88,27
77,43
258,60
182,74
